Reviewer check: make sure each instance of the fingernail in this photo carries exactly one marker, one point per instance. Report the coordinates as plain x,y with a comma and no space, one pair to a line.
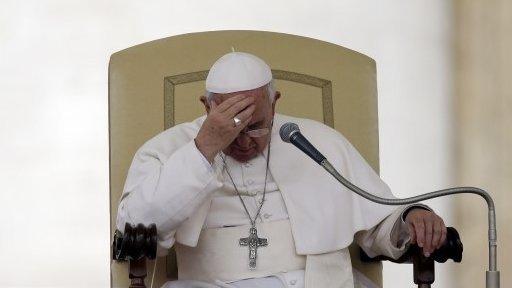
427,254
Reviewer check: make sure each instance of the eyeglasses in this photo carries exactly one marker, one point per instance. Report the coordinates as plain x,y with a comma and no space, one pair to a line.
259,132
256,133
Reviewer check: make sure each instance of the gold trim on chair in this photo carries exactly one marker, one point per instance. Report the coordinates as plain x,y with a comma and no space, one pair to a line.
170,83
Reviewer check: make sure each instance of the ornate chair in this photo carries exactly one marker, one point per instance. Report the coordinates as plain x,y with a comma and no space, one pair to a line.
156,85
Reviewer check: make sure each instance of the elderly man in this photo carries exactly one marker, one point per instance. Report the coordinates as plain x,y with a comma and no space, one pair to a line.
244,209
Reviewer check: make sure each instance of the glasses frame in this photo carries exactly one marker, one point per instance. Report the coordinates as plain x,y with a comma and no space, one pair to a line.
257,133
260,132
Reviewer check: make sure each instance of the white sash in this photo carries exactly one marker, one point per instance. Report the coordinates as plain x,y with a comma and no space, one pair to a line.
218,255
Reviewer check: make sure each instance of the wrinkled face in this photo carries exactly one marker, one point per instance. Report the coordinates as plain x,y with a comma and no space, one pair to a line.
245,148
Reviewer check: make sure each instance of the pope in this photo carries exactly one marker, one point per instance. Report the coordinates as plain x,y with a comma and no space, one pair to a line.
244,209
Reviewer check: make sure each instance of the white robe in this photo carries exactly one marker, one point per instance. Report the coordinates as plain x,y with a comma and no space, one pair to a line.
167,186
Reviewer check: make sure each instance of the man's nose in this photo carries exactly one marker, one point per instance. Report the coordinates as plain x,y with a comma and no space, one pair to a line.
243,140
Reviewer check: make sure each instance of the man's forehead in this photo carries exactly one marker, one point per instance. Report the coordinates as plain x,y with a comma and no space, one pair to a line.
257,93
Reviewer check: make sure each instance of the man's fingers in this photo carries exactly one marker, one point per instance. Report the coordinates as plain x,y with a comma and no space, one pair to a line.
427,248
412,233
420,232
242,125
246,113
443,234
429,230
436,237
245,123
226,104
238,107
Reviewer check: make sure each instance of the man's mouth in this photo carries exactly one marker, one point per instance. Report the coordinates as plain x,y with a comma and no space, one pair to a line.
243,150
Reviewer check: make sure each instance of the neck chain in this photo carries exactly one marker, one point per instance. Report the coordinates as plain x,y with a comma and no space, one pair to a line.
253,221
252,241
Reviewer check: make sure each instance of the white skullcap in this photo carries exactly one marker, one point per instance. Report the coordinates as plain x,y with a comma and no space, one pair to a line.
237,71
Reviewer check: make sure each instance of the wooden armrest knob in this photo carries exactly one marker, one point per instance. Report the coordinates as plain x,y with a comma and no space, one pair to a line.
136,243
451,249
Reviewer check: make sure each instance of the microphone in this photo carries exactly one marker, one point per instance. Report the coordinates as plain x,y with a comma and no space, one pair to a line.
290,133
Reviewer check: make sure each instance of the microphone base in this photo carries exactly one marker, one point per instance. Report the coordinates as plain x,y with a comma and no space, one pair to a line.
492,279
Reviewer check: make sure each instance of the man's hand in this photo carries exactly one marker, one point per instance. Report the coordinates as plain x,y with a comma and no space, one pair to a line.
218,130
426,229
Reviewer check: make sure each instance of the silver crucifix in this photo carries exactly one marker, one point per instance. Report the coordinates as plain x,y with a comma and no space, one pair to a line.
253,242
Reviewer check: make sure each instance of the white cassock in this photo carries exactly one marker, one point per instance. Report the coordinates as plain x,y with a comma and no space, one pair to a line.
308,218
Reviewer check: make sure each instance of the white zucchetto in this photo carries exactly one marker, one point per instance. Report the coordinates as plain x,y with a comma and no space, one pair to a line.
237,71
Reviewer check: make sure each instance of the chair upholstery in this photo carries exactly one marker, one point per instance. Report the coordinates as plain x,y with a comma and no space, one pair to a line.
156,85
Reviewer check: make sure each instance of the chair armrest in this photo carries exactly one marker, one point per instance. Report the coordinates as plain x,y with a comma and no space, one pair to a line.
135,245
424,266
451,249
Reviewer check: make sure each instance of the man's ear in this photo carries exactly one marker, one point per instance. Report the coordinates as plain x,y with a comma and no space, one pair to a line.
203,99
277,95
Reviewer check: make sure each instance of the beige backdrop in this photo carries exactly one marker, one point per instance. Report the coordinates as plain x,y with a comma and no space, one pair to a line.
155,85
54,110
484,116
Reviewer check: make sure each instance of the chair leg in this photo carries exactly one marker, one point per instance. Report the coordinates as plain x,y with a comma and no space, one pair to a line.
138,273
423,271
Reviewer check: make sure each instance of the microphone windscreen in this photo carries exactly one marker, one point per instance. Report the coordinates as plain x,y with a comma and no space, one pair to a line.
287,130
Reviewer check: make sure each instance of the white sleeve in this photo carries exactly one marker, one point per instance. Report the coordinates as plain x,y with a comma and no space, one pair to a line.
390,237
166,191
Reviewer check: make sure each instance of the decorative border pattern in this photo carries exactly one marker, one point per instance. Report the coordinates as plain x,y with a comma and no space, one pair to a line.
170,83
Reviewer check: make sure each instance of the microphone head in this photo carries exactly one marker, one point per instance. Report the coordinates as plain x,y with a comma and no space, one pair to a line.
287,130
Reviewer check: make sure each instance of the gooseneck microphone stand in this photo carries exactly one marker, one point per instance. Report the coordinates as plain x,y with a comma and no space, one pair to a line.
290,133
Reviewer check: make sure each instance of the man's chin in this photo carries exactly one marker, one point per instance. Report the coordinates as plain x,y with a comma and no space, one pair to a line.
243,157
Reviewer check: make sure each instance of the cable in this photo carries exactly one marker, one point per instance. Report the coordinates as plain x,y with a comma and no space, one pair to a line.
154,270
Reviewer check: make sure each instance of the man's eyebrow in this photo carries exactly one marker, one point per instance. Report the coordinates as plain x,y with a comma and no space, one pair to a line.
257,123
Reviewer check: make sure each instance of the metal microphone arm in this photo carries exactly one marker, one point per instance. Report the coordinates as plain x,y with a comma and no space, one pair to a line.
492,275
290,133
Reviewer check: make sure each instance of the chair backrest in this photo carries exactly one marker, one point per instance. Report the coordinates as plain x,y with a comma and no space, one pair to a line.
156,85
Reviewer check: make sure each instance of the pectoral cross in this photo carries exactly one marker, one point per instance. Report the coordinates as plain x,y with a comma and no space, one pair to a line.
253,242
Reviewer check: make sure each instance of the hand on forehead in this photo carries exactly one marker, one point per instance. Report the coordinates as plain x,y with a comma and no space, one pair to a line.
258,94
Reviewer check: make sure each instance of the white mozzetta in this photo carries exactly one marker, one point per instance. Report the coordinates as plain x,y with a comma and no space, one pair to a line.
171,184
